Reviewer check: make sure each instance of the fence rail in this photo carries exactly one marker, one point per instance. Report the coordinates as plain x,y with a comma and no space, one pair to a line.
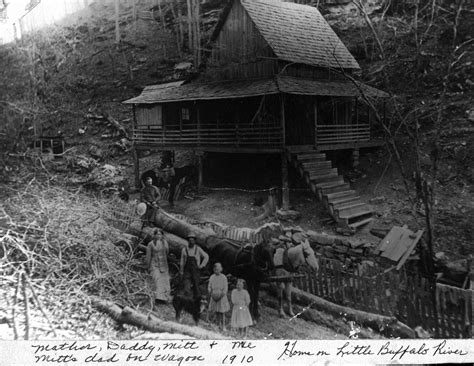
334,134
413,300
264,136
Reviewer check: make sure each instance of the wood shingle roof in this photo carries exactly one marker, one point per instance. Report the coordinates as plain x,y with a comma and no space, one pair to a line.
174,92
299,33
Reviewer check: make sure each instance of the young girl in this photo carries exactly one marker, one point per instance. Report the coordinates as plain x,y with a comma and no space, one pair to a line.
241,318
218,291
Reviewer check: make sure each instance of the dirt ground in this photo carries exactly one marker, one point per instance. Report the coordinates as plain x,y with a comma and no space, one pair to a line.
377,181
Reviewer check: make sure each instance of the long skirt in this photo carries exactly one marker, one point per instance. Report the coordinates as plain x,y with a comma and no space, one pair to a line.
161,285
241,317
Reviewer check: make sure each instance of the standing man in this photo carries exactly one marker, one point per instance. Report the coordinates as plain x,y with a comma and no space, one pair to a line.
193,259
151,196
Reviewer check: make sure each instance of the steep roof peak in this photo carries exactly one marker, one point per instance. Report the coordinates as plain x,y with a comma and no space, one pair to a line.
299,33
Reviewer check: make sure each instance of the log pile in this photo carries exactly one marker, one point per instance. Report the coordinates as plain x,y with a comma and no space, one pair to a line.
353,255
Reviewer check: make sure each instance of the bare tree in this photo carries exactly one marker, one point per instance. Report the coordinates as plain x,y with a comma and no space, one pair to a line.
407,120
117,23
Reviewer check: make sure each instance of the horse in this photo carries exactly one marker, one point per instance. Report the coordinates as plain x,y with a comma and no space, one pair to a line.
253,263
288,261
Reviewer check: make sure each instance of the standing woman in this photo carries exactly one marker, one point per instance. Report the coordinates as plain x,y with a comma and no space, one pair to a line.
157,261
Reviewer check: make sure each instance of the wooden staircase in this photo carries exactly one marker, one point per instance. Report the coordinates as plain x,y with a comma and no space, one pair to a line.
340,200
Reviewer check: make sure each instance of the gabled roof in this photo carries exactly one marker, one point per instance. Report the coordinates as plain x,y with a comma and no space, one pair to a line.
174,92
299,33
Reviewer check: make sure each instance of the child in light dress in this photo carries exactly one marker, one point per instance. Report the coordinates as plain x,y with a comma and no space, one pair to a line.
241,318
218,288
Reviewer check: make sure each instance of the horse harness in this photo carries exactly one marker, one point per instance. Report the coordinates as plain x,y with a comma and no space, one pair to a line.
241,249
286,263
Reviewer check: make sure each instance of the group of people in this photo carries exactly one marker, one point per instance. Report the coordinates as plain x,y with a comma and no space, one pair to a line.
193,259
219,303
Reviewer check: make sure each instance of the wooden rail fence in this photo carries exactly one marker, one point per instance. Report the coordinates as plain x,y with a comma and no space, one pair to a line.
265,136
340,134
412,299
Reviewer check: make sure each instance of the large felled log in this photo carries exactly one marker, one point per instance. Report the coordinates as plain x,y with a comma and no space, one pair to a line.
152,323
204,238
314,316
176,244
387,326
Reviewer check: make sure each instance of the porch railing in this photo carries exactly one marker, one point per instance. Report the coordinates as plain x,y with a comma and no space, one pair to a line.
265,136
341,134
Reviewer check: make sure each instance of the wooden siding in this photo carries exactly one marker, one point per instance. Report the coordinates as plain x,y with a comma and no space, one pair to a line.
150,116
240,51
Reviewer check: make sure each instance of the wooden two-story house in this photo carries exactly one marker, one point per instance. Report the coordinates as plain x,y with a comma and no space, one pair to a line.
275,81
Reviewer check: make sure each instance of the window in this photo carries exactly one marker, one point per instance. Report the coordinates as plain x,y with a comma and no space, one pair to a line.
185,114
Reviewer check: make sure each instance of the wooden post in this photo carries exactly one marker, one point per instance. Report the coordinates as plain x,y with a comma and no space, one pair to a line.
198,119
282,118
284,182
356,111
284,161
315,121
136,162
471,275
200,171
355,158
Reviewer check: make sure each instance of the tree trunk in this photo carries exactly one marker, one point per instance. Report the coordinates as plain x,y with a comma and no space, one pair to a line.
180,27
176,244
176,28
117,27
152,323
182,229
190,25
386,325
197,37
162,17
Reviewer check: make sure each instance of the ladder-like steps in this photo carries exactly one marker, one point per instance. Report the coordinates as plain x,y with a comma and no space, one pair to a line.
361,223
311,157
331,187
317,165
331,197
351,208
324,176
343,204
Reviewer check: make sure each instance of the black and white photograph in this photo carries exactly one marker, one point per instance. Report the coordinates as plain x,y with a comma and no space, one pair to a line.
236,170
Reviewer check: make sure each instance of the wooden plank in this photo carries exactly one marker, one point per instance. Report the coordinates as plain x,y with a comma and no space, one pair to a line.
410,248
320,282
384,247
342,126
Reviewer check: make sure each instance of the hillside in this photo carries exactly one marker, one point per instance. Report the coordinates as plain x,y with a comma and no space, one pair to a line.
69,80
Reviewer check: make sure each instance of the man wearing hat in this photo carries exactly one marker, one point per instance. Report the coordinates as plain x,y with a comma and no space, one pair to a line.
150,195
193,259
